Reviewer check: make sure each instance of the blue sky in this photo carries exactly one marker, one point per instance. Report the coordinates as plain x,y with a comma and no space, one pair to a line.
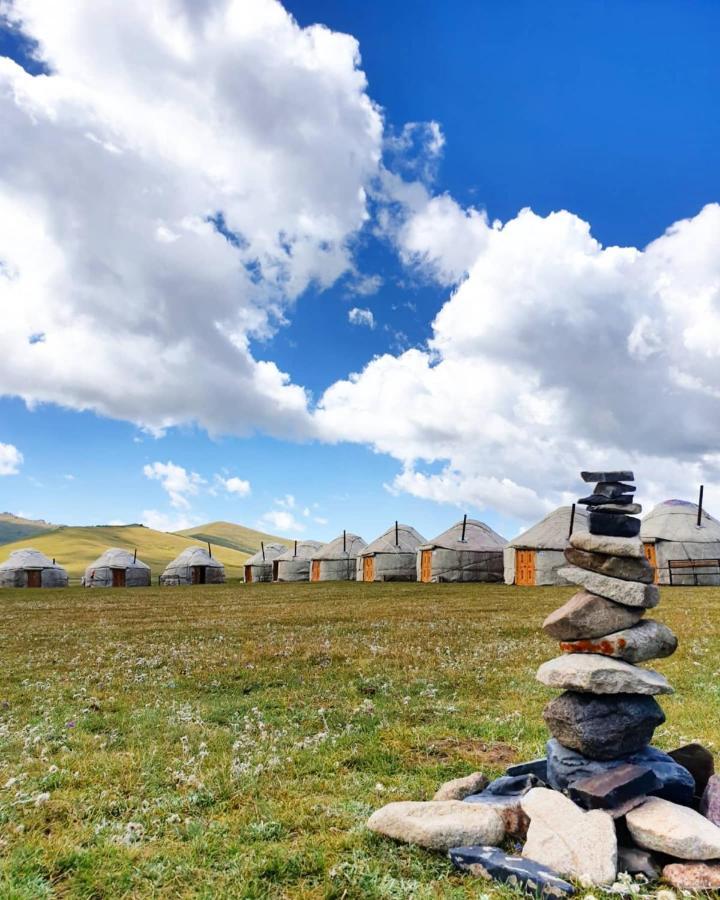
606,110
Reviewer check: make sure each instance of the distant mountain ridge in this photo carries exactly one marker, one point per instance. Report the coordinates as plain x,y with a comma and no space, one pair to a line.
235,537
17,528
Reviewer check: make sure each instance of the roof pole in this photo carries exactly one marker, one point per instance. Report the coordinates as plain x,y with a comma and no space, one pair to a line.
209,550
262,547
699,521
397,540
135,555
295,553
572,521
463,528
344,542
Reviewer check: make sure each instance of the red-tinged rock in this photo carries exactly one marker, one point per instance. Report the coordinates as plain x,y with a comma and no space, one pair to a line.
710,803
614,787
693,876
647,640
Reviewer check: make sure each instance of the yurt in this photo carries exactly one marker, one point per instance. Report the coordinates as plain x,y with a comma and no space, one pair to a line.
535,556
294,564
29,568
670,531
469,551
337,561
194,565
392,556
117,568
259,567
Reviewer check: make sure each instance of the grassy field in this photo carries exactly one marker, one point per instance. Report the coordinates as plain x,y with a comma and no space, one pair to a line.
232,741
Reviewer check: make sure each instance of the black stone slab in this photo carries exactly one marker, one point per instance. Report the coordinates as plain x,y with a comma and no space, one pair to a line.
612,489
492,864
699,762
620,475
536,767
600,499
613,525
614,787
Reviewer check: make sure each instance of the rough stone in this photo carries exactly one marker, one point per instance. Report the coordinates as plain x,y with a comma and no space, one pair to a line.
587,615
628,593
536,767
676,830
438,824
597,674
459,788
565,767
619,475
613,524
512,785
613,489
647,640
614,787
491,863
509,808
622,501
635,861
612,546
603,727
710,803
697,876
574,843
698,761
621,505
624,567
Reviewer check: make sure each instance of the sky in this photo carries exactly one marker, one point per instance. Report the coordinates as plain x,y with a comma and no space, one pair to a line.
328,265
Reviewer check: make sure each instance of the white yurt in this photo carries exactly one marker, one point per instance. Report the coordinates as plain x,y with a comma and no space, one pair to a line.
29,568
194,565
117,568
259,567
294,564
392,556
670,531
468,551
337,561
535,556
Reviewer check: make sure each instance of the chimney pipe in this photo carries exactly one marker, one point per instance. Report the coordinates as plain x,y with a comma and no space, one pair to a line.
209,550
572,521
262,547
295,552
344,542
135,555
397,541
699,519
462,539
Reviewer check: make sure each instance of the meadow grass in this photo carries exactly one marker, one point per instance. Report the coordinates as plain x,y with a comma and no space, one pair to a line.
231,741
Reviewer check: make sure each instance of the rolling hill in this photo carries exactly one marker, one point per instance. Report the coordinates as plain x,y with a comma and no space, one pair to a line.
235,537
16,528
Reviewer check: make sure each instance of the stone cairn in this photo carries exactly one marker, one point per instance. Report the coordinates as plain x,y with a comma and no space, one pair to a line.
603,807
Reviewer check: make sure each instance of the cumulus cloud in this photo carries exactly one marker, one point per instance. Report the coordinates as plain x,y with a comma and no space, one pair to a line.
160,521
237,486
10,459
282,521
219,157
365,317
176,481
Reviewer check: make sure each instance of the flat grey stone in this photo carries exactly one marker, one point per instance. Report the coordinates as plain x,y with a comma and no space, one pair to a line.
460,788
629,509
508,807
617,475
587,615
623,567
438,824
600,675
603,543
647,640
629,593
676,830
492,864
536,767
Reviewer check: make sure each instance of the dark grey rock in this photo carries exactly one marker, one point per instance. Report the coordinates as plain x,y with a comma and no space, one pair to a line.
613,489
620,475
536,767
603,726
596,499
512,785
635,861
566,766
699,762
493,864
624,567
613,524
614,787
586,616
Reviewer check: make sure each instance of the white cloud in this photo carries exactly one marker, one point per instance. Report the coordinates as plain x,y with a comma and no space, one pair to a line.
10,459
282,521
366,285
161,521
177,481
363,317
235,485
220,156
287,502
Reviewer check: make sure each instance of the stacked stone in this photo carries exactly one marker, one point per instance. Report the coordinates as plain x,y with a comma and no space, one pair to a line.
608,712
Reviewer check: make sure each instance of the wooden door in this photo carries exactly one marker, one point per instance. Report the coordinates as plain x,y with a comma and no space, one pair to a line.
248,574
651,557
368,568
276,570
315,570
525,567
425,565
34,578
197,575
118,577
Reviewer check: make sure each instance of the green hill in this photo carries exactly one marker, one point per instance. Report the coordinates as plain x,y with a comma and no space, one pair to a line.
235,537
16,528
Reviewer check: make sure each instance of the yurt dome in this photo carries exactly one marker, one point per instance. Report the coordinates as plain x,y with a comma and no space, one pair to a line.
28,568
259,567
337,561
294,564
117,568
670,531
392,556
535,556
468,551
194,565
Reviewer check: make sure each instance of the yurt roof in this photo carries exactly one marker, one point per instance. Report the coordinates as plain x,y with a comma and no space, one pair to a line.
354,544
272,551
305,550
195,556
28,558
117,558
676,520
478,536
408,540
551,533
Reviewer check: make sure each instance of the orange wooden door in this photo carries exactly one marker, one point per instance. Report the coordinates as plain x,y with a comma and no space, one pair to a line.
525,567
118,576
315,570
34,578
248,574
368,568
425,565
651,557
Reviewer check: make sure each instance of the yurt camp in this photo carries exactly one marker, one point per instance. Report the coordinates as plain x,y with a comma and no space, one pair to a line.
194,565
294,564
535,556
117,568
259,567
468,551
392,556
675,532
337,561
29,568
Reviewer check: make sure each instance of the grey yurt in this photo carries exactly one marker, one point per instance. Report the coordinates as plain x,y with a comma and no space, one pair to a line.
671,531
337,561
194,565
294,564
117,568
535,556
29,568
392,556
469,551
259,567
